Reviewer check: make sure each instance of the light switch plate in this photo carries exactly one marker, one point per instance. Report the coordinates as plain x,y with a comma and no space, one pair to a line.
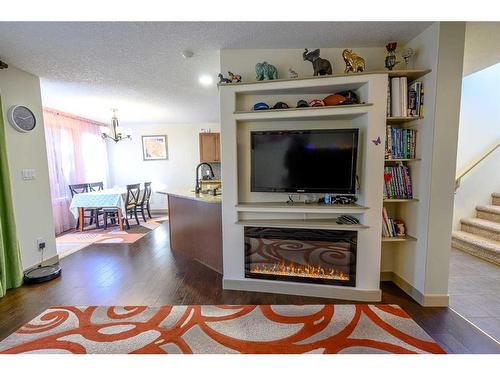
28,174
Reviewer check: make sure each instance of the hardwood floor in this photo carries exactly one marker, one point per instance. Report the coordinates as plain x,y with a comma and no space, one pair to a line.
148,273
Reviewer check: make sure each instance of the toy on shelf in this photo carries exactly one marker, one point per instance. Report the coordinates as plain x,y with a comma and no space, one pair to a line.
342,98
353,62
400,228
320,66
407,54
292,74
222,79
234,77
264,70
390,59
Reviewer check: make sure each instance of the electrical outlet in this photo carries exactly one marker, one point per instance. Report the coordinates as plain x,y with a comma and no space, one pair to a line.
40,243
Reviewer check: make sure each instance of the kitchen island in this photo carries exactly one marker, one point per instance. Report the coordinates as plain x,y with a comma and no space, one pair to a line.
195,225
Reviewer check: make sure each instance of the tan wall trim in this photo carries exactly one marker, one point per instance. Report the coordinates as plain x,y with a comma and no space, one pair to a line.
427,300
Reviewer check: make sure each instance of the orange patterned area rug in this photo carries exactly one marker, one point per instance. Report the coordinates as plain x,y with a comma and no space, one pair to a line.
276,329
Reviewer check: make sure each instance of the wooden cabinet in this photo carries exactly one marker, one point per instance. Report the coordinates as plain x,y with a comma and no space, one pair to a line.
210,147
196,230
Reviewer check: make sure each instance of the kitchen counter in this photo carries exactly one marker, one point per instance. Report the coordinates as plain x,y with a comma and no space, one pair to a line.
190,194
195,226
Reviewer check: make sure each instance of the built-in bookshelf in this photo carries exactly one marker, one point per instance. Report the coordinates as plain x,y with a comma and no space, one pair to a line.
401,149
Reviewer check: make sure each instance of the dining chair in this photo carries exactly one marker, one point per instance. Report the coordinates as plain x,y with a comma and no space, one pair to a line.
144,202
96,186
131,201
78,189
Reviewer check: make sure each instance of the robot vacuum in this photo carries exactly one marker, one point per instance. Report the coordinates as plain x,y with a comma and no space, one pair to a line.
42,274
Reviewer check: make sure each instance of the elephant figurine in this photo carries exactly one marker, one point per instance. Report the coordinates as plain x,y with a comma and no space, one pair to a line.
321,66
353,62
264,70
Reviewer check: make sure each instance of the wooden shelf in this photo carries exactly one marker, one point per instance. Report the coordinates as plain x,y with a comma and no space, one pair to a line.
390,200
342,111
401,120
398,239
399,160
311,224
300,207
412,75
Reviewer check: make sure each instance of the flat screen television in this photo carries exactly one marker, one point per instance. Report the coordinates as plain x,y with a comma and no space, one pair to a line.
304,161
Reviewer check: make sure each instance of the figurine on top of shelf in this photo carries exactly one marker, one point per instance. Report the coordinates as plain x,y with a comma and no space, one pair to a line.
234,77
264,70
320,66
292,74
222,79
390,59
407,54
353,62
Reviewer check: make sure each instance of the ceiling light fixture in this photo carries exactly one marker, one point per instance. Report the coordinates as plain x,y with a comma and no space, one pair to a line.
114,131
206,80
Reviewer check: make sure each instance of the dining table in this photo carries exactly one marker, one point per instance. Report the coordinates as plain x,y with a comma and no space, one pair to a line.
107,198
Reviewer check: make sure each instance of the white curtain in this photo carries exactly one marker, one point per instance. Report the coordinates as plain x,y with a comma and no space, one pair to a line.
76,154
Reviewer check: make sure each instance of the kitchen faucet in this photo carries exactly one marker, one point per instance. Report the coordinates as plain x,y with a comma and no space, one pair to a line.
198,187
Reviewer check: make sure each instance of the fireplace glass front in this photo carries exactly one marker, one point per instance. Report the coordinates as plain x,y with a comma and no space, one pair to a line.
301,255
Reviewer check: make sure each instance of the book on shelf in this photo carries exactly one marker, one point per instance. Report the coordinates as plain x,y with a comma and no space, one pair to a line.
392,227
404,101
397,182
400,143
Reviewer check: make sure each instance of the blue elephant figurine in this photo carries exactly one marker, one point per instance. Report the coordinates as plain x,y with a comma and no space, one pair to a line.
264,70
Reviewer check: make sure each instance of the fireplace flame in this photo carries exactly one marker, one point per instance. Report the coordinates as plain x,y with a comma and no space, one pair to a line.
291,269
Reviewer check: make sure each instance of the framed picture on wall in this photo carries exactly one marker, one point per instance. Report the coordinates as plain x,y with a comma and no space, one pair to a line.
154,147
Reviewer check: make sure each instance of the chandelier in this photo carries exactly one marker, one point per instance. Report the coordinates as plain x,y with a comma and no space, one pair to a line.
114,131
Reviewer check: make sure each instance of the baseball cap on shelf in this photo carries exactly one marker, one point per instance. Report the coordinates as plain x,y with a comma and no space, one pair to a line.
259,106
281,105
302,103
316,103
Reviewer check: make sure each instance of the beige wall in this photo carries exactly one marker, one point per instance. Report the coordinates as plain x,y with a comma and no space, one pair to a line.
32,205
482,46
178,172
424,265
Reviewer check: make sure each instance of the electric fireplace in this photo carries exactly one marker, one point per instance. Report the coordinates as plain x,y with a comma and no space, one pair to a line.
301,255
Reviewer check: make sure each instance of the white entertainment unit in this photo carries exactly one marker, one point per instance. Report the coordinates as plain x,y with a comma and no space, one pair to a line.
241,207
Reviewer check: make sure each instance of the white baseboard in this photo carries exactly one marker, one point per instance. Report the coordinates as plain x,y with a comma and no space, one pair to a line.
426,300
51,260
303,289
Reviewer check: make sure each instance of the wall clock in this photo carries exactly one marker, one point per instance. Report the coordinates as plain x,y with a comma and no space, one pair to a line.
21,118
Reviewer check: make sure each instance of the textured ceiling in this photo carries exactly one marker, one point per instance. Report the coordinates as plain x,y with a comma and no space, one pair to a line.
87,68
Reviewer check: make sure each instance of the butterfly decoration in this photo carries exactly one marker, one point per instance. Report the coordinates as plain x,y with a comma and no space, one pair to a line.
377,141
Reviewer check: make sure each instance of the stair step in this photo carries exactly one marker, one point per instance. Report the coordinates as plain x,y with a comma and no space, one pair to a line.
484,228
489,212
495,199
476,245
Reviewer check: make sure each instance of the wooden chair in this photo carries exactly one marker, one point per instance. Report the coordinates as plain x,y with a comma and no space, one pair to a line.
78,189
144,203
96,186
133,192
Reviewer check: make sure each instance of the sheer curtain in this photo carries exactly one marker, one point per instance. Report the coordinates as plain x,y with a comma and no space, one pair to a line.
76,154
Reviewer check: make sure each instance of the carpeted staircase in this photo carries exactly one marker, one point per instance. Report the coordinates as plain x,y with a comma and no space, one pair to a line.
480,236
